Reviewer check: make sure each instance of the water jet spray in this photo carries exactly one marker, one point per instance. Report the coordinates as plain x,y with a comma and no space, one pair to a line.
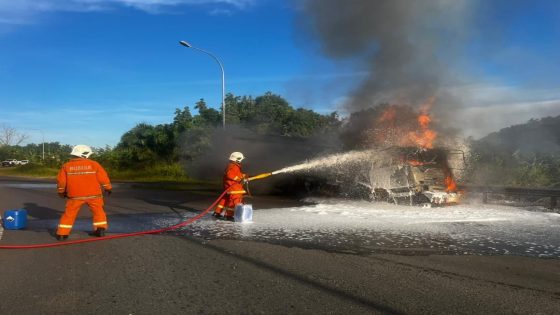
394,174
329,162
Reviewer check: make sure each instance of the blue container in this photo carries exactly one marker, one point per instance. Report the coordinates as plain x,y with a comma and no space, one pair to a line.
15,219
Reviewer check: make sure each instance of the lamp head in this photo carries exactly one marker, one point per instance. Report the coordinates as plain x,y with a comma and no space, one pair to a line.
184,43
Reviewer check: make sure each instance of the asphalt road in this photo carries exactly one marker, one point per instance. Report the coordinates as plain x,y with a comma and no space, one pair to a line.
178,273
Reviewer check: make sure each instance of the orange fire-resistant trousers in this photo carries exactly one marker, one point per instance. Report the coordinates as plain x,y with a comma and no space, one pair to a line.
73,207
228,203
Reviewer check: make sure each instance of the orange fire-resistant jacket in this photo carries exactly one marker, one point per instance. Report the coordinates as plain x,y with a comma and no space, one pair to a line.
81,178
232,179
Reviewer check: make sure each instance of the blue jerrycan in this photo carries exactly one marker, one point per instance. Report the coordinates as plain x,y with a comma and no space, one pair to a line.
15,219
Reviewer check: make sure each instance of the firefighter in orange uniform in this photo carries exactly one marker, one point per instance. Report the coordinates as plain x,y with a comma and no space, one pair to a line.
81,181
233,181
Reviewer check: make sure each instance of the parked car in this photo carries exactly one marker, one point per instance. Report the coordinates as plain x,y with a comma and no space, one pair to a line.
23,162
10,162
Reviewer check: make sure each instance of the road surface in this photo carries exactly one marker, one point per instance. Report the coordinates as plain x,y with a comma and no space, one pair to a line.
295,258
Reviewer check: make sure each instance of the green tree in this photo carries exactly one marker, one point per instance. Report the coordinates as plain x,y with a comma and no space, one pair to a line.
233,109
270,114
136,145
206,116
183,120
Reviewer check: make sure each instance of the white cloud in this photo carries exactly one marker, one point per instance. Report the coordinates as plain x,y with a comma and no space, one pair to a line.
15,12
489,108
480,121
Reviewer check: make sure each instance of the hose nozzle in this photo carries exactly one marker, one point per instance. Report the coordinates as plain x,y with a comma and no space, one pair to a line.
261,176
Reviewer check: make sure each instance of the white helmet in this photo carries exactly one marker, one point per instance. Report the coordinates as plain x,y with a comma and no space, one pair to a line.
236,157
81,150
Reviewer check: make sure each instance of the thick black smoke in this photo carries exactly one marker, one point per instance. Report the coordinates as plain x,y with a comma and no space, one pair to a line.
405,46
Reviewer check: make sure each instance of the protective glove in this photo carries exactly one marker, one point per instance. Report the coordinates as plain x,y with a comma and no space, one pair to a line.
62,195
108,192
244,181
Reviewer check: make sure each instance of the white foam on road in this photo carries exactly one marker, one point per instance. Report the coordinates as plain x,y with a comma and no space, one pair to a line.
345,214
483,228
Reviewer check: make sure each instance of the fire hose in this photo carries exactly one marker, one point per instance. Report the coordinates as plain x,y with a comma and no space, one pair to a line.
260,176
155,231
104,238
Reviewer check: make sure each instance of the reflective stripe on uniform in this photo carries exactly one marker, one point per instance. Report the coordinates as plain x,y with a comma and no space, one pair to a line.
86,197
80,173
100,223
236,192
65,226
220,206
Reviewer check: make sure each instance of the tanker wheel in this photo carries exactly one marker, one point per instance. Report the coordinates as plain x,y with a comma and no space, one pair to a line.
423,201
380,194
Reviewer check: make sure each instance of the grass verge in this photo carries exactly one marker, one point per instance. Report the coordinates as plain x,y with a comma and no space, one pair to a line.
169,177
29,170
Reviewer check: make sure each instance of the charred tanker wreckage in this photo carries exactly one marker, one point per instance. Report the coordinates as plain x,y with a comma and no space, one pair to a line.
412,176
401,175
406,164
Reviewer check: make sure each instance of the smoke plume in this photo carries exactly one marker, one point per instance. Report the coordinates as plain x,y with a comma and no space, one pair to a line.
406,46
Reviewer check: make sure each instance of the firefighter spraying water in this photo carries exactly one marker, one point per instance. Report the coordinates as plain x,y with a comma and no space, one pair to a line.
233,182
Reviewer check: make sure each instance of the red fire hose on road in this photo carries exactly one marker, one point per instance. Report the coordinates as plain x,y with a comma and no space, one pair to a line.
176,226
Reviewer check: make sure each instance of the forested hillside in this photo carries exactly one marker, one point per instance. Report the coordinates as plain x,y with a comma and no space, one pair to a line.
273,134
520,155
537,136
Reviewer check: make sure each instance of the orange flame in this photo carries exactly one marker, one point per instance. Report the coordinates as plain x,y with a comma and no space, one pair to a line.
450,183
395,126
424,137
424,120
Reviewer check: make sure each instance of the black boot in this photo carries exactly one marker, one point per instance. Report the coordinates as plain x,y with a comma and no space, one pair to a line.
100,232
61,237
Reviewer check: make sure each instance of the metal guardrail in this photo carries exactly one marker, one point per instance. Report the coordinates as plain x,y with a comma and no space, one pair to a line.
554,194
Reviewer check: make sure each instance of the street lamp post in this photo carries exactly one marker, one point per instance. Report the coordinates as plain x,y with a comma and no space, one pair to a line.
43,135
186,44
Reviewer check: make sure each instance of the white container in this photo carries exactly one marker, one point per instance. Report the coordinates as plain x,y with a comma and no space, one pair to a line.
243,213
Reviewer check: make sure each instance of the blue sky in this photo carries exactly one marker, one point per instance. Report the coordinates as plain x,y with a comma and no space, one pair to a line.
86,71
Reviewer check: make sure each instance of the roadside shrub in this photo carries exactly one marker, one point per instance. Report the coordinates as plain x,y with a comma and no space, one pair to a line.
158,172
32,169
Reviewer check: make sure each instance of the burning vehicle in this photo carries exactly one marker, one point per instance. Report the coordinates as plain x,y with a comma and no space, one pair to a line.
413,176
408,165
